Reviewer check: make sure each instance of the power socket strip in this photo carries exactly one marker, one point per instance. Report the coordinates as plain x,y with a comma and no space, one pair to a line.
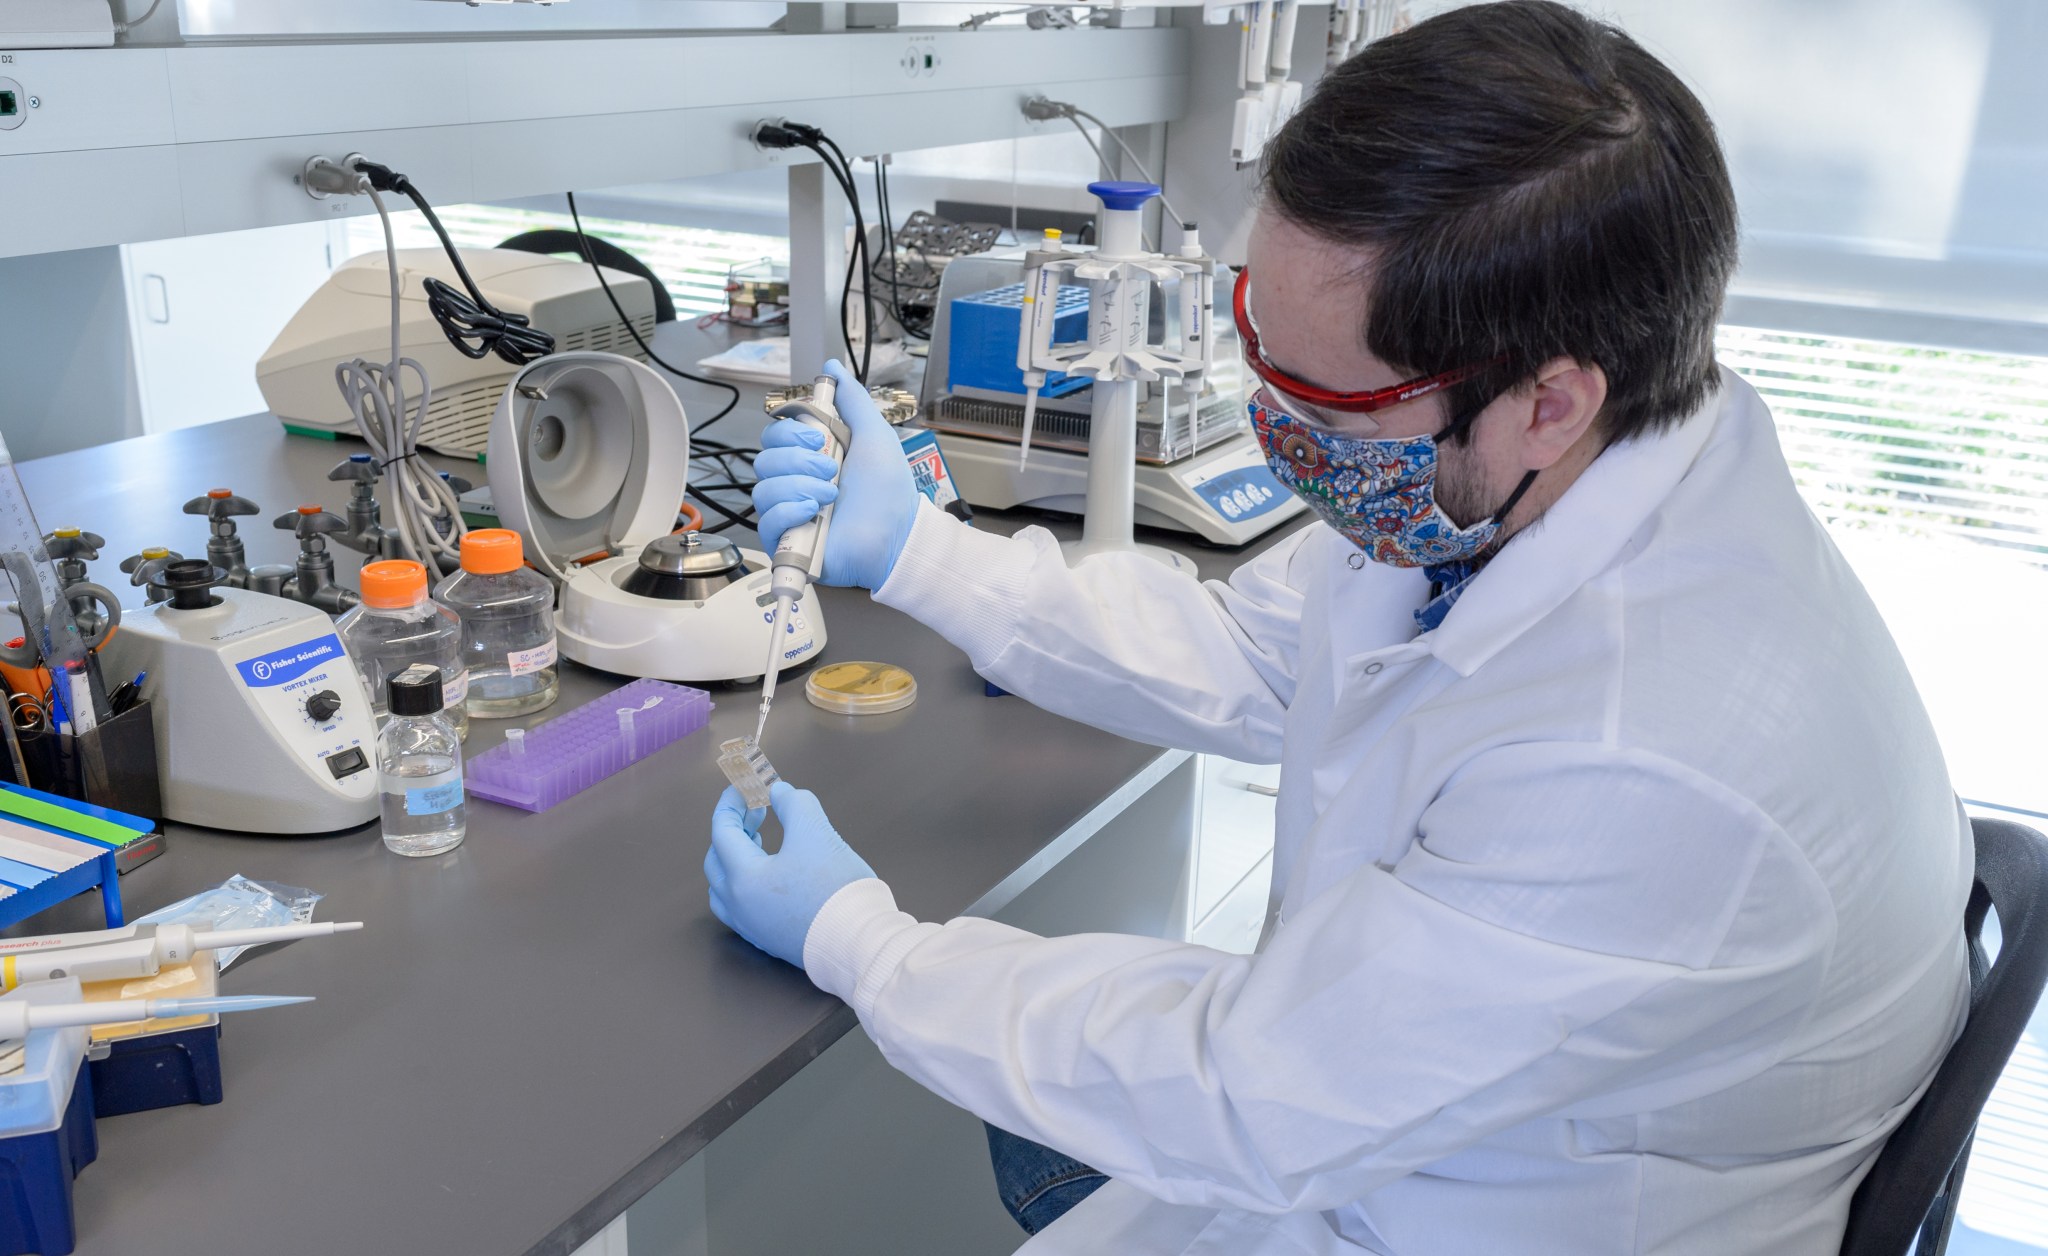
56,24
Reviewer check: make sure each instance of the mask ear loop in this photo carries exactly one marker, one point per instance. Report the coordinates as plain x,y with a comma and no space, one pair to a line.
1456,429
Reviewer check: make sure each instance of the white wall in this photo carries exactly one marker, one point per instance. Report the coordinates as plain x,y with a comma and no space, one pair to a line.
202,309
1888,157
65,374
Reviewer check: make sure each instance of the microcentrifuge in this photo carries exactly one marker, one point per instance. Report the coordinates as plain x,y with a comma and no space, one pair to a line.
589,457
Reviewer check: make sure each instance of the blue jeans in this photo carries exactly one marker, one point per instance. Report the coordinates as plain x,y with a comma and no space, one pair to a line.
1036,1183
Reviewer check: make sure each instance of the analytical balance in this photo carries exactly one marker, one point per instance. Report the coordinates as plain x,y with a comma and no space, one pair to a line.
589,457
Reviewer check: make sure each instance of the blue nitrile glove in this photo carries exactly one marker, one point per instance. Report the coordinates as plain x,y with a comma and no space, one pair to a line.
771,900
877,496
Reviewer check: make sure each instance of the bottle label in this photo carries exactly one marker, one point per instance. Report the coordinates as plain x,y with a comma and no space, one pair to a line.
444,793
454,691
540,656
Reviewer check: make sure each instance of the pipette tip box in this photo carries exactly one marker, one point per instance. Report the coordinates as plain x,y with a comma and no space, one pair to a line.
145,1065
46,1132
568,754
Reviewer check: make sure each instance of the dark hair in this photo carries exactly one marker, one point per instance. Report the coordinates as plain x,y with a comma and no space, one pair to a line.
1530,184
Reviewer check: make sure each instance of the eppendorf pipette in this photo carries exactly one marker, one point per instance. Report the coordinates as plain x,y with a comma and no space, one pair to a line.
18,1017
135,950
800,555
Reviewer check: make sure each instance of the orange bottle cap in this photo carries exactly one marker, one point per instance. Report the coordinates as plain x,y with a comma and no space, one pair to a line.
492,551
393,582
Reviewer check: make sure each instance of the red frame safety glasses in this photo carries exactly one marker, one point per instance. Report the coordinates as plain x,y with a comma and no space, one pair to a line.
1346,402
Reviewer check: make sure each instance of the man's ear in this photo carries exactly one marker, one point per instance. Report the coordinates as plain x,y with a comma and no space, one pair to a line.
1567,398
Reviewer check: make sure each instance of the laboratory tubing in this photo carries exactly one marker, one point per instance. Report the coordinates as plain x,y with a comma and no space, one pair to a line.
399,625
419,767
507,611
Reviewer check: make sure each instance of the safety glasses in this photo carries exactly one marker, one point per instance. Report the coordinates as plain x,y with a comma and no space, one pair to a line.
1347,402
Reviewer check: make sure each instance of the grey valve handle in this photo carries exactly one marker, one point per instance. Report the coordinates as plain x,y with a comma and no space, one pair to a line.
309,522
219,504
361,468
67,543
146,566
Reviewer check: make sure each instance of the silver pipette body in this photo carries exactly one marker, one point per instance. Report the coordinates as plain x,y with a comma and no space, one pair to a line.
800,554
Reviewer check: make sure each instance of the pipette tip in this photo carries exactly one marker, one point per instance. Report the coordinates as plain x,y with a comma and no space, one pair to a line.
224,1003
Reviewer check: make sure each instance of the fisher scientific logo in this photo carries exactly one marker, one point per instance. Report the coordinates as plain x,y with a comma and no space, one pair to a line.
283,666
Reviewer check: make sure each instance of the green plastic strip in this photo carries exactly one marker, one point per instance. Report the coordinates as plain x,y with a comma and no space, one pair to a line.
64,818
319,433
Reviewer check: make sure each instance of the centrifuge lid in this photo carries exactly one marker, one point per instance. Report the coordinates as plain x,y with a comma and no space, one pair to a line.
589,453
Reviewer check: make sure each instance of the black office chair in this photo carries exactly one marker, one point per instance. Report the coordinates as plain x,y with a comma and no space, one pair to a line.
1912,1189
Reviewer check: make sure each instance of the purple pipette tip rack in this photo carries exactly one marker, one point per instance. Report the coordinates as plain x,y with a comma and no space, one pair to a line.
539,767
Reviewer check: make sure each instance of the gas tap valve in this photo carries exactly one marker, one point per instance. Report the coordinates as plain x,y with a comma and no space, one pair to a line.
312,581
224,548
143,568
93,606
364,533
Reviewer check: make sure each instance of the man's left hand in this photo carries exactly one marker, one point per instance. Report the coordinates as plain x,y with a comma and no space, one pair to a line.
771,900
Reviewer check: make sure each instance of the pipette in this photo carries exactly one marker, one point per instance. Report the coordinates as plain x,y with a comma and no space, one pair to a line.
135,950
17,1016
800,555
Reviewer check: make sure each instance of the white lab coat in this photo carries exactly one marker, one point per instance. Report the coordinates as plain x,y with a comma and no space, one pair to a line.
1620,914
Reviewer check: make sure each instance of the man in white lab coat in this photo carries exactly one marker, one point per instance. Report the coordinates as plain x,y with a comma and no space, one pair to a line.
1618,881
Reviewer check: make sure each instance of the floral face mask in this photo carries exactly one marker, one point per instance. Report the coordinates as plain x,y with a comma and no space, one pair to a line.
1379,492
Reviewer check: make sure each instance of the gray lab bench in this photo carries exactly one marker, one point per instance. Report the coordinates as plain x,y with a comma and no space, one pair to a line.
538,1028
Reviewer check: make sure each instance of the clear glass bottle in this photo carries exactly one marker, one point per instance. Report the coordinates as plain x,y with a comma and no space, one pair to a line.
419,767
399,625
508,626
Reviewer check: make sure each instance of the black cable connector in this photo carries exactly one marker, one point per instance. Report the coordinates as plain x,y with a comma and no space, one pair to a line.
472,324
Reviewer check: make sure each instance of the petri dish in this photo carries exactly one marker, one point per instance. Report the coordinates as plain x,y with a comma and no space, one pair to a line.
861,688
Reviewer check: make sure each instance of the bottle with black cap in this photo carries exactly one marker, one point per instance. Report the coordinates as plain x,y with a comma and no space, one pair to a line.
419,767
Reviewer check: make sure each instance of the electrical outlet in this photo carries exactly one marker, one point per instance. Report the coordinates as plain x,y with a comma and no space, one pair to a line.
14,104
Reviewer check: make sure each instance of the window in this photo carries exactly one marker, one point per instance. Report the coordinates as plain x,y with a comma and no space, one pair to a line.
1930,468
692,261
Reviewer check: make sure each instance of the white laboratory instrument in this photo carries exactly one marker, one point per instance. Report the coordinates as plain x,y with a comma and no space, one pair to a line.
1265,66
1118,353
800,553
1198,469
262,721
138,950
589,457
349,317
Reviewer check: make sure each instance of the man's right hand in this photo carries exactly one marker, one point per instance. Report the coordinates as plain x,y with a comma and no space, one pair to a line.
876,496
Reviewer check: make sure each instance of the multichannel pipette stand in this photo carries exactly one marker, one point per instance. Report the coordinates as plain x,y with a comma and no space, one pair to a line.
589,458
537,768
262,721
1117,352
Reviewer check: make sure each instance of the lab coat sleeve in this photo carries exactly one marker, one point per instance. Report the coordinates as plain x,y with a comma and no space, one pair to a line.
1580,932
1120,641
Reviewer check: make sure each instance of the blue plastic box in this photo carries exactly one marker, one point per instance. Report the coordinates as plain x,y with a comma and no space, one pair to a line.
158,1071
982,350
46,1133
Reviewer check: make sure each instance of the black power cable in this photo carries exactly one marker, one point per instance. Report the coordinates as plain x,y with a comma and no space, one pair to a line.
860,260
472,324
633,331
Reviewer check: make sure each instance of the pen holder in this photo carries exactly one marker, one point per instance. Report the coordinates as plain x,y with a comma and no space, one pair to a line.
112,766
